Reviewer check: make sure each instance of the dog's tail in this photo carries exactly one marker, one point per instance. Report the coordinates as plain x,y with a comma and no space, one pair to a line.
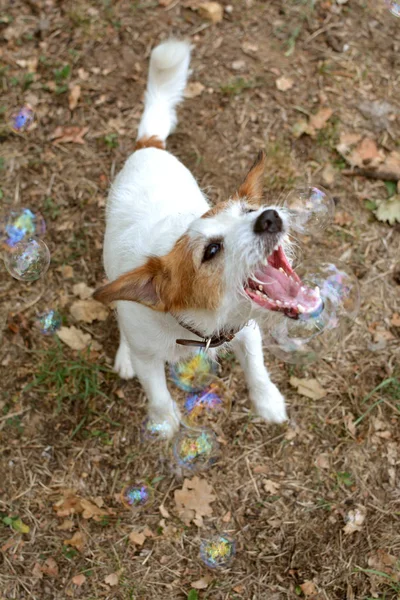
168,73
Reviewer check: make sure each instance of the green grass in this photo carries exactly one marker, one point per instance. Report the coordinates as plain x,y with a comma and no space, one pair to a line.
389,580
236,86
391,393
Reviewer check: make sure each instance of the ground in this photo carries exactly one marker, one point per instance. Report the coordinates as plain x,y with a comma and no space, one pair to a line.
69,427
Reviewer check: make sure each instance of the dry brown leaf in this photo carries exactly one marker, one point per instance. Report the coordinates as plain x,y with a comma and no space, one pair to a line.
308,588
74,96
66,525
310,388
163,511
82,290
148,532
383,335
284,84
67,272
70,504
111,579
69,135
212,11
194,499
201,584
227,517
194,89
50,567
320,119
37,571
328,175
354,520
322,462
270,486
74,338
343,218
395,320
349,421
137,538
366,154
79,579
77,541
88,311
91,511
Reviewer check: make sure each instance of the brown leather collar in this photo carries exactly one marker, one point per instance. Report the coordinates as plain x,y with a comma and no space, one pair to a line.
212,341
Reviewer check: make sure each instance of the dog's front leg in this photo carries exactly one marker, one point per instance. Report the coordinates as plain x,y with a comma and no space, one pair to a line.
162,409
267,400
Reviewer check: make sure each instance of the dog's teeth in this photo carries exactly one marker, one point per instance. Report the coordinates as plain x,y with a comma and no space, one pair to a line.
317,290
303,289
265,262
260,287
282,271
278,302
301,308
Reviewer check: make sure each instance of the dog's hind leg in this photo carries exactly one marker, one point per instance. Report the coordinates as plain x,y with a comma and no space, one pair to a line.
123,361
162,408
267,400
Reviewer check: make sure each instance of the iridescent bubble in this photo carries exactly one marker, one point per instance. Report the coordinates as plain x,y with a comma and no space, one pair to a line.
137,495
27,260
21,225
153,432
303,339
218,551
23,120
209,407
49,322
394,7
195,450
311,209
194,374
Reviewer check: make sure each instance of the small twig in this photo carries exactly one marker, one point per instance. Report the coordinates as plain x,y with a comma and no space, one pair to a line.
372,174
14,414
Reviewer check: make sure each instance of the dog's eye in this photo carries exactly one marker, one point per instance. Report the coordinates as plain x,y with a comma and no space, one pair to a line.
248,210
212,250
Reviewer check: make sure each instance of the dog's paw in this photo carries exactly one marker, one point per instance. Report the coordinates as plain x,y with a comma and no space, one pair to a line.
168,424
270,404
123,364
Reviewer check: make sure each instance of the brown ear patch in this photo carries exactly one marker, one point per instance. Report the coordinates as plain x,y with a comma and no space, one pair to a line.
150,142
252,187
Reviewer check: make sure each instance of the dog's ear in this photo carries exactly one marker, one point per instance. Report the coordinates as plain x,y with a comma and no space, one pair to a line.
252,186
138,285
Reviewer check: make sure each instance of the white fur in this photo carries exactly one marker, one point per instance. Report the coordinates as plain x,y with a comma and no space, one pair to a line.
153,201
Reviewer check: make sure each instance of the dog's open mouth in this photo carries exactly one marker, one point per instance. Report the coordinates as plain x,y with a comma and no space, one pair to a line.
277,287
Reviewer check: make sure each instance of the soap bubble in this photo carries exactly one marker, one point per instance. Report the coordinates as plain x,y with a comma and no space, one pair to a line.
137,495
27,260
194,374
312,209
303,340
218,551
153,432
394,7
195,450
203,409
49,322
21,225
23,119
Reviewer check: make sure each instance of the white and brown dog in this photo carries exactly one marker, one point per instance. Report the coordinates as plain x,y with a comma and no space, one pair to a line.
180,269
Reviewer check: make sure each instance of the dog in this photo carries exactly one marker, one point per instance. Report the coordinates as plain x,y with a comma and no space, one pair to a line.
184,275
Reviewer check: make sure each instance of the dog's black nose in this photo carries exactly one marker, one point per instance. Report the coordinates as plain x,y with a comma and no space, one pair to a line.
268,222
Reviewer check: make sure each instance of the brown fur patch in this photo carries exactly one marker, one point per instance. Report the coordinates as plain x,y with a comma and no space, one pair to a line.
252,187
215,210
150,142
171,283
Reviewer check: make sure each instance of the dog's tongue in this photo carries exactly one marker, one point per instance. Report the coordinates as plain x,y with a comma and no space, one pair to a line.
277,287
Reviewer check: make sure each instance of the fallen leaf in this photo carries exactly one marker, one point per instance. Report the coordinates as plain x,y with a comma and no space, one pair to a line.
91,511
194,89
301,127
111,579
343,218
82,290
366,154
148,532
163,511
395,321
66,525
354,520
194,499
79,579
227,517
308,588
389,210
37,571
137,538
249,48
310,388
383,335
50,567
238,65
320,119
67,272
74,96
69,135
328,175
88,311
284,84
75,338
69,504
270,486
349,421
201,584
212,11
84,75
77,541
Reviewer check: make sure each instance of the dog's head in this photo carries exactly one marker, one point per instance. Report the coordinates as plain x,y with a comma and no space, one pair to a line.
230,265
